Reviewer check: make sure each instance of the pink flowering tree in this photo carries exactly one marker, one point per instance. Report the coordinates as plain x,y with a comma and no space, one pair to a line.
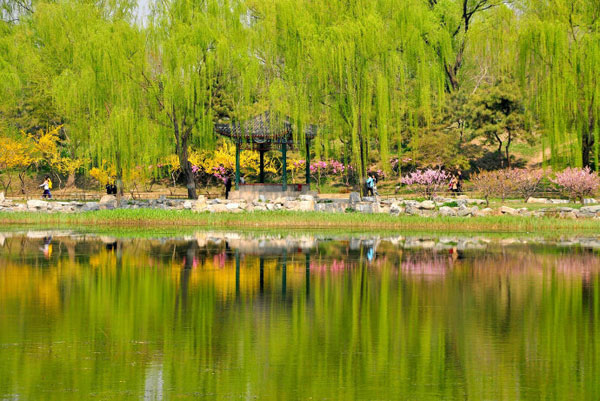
319,169
526,182
577,183
427,182
492,183
322,170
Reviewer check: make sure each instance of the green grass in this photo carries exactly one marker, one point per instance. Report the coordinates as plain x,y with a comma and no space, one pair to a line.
169,219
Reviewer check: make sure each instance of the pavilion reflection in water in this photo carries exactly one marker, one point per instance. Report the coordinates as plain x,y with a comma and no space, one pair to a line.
279,249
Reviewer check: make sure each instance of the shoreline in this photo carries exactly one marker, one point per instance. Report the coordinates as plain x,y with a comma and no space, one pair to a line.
291,220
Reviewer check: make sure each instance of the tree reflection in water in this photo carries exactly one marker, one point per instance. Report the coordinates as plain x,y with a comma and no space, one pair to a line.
229,316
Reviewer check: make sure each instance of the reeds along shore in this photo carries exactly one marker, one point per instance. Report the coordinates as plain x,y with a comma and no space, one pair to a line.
299,220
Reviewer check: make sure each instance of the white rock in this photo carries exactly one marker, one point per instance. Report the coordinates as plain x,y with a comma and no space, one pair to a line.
187,204
427,205
232,206
475,201
306,198
37,204
447,211
396,208
306,205
89,206
354,197
218,208
483,212
509,211
2,197
531,199
590,209
108,199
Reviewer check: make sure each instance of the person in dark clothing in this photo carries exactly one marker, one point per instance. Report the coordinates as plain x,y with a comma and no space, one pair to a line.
370,185
227,186
459,180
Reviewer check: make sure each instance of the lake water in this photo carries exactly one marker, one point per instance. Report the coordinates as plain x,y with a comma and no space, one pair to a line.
245,316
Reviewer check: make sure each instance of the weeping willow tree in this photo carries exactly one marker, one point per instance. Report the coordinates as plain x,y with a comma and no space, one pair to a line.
194,50
456,20
101,55
560,55
361,70
25,74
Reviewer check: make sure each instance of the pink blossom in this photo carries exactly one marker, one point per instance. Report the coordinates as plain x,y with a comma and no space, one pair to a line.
577,182
428,182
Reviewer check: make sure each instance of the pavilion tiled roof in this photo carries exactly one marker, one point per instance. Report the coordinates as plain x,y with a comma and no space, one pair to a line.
266,128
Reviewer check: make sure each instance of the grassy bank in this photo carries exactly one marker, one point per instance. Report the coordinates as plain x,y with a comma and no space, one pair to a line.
296,220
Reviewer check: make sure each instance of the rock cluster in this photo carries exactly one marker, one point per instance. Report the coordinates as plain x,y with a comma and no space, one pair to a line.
444,207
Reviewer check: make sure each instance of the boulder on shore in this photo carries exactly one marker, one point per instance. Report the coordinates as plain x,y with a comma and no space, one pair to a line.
426,205
108,199
531,199
37,204
509,210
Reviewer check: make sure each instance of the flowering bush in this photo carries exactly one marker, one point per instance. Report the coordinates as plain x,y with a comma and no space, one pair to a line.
494,183
428,182
577,183
526,182
320,170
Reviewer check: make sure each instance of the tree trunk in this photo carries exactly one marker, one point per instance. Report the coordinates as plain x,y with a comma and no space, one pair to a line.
363,172
70,180
22,179
186,167
7,184
587,145
506,149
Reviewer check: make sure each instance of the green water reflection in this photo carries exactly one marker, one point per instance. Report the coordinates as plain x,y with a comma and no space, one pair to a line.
231,317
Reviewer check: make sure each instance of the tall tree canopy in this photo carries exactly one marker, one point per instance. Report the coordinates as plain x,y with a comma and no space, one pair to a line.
197,48
560,57
380,78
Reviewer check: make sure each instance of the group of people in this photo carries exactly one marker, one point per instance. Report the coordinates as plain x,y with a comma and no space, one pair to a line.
371,184
455,184
111,189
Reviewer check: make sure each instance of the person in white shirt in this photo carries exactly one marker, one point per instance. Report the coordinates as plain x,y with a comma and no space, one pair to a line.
47,184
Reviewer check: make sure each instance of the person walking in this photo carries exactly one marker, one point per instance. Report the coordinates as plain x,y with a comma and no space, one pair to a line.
375,185
459,180
370,185
453,185
47,185
227,186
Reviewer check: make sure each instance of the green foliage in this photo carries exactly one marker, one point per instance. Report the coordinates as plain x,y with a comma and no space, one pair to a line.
496,114
559,58
428,81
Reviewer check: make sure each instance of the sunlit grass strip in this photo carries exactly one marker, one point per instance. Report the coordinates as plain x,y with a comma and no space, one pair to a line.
298,220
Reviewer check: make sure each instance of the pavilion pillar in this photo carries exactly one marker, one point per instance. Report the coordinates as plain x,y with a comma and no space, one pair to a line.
261,278
307,272
284,274
284,165
237,166
308,163
261,177
237,272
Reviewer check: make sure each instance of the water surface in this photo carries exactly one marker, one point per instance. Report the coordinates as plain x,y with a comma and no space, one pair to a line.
241,316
